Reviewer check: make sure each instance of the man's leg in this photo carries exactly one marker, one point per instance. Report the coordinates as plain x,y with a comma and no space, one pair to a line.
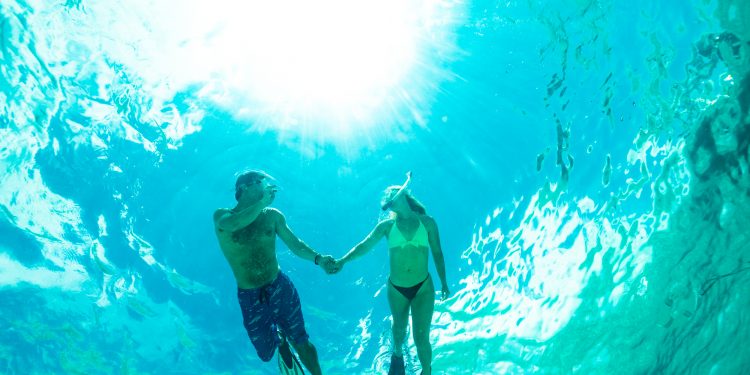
292,325
258,322
309,356
421,318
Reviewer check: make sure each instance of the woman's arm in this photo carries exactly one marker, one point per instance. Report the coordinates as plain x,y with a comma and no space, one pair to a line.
367,244
433,236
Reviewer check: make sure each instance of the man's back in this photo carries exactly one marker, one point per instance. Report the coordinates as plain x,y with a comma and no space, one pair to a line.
251,251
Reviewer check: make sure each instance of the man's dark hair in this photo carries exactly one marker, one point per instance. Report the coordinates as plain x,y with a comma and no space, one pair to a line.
248,178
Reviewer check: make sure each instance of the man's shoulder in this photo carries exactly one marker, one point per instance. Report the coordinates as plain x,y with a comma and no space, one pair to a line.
272,213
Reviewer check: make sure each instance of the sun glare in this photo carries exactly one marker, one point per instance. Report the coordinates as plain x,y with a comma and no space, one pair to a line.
323,70
333,55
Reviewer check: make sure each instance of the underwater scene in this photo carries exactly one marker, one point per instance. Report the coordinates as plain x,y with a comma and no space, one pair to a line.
586,163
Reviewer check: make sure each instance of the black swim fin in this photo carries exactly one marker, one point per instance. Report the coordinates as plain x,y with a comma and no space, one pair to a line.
397,366
288,362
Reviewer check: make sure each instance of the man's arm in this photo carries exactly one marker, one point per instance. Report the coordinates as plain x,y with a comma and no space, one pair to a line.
366,245
297,246
226,220
433,237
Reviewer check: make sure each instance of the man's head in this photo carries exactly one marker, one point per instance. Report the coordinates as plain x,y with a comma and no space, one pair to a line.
250,182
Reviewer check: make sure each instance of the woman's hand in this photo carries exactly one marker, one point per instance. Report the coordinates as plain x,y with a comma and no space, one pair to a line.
399,192
408,180
329,264
338,264
445,293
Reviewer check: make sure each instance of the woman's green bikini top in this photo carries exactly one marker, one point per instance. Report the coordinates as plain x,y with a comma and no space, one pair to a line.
397,239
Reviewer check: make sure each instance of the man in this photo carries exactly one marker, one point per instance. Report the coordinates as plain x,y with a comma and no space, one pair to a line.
268,299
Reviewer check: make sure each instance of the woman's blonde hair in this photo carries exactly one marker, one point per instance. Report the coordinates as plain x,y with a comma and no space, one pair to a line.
414,204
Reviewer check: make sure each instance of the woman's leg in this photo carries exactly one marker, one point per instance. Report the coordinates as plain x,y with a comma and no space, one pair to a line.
400,311
421,318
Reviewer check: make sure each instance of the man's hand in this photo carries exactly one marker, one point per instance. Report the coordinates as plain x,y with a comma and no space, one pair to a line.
269,192
329,264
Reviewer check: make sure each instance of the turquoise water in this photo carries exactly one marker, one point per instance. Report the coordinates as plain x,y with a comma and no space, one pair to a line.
586,161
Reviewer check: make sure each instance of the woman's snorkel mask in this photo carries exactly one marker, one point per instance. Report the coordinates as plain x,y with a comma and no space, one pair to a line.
400,192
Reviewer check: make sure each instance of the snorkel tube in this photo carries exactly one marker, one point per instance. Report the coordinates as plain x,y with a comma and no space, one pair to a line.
400,191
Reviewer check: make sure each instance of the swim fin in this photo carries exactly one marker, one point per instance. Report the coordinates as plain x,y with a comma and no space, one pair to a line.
288,362
397,365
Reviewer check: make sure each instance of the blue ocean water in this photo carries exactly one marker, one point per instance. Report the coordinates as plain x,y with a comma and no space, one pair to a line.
586,162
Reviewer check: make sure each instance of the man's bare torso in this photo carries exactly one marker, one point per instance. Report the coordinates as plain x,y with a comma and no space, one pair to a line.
251,251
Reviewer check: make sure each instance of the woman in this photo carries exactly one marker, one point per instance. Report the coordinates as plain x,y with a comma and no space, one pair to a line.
410,232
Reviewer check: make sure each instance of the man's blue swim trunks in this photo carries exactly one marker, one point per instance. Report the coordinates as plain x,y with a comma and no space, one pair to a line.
271,308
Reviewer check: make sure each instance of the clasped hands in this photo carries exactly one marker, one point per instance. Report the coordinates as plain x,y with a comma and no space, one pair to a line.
330,265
